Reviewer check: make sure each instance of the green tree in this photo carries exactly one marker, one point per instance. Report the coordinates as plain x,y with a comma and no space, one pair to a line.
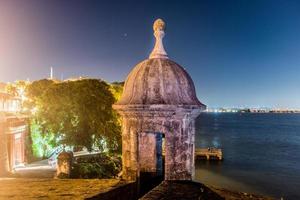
79,113
17,89
10,88
34,91
117,89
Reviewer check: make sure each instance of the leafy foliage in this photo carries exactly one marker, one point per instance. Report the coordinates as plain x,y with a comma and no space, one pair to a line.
11,89
16,89
96,166
42,144
117,89
78,113
34,92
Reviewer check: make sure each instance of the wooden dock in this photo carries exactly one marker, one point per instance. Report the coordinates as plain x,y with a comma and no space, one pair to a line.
206,154
209,154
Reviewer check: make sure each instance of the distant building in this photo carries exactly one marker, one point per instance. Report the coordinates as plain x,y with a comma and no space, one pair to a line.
13,132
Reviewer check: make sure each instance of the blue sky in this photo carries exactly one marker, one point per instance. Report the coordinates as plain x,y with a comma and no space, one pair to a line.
239,53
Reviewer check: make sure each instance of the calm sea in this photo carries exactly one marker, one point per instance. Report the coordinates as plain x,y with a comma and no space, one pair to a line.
261,152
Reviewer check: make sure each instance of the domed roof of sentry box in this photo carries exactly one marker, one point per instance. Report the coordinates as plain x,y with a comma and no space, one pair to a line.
159,80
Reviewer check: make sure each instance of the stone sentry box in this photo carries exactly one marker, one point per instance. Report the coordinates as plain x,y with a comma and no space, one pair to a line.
159,99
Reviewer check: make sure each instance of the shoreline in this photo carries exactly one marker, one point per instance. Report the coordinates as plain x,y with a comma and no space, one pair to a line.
219,182
238,195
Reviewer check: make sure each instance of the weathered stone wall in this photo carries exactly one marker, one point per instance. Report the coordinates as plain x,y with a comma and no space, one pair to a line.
129,150
4,165
178,129
179,160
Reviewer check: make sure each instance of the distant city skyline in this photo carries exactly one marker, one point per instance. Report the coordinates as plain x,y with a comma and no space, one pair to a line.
239,53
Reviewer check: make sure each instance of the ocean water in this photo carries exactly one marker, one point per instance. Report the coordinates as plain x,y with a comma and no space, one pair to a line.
261,152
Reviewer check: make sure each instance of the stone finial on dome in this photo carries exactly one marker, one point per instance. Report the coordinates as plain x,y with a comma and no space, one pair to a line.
159,24
159,33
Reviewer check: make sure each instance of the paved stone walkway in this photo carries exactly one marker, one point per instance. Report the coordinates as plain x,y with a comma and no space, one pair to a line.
42,189
40,169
